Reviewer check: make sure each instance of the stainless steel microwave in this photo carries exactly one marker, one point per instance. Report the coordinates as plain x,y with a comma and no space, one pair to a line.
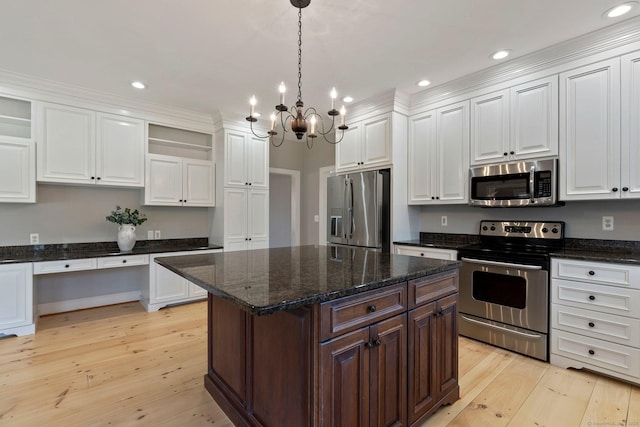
515,184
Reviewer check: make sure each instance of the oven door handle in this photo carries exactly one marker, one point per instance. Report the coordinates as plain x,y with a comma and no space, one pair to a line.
501,264
511,331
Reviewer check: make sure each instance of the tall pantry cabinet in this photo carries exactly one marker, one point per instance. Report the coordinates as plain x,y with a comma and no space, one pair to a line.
241,218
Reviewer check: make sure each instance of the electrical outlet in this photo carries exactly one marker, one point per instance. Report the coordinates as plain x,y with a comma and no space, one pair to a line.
607,223
156,234
316,218
150,235
34,238
443,220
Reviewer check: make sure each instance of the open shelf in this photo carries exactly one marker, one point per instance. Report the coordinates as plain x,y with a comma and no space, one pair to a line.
180,142
169,142
15,117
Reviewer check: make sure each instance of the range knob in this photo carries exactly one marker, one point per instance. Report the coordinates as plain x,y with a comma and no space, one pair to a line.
493,228
545,229
554,230
485,228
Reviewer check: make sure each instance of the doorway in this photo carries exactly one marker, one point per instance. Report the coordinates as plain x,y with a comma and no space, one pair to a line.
284,207
323,173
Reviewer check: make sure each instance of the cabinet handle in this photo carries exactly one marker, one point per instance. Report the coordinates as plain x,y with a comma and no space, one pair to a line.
437,197
372,308
625,188
591,297
614,189
98,178
246,238
185,200
369,344
592,325
250,183
592,273
93,177
512,152
505,153
249,238
246,183
377,342
591,352
433,198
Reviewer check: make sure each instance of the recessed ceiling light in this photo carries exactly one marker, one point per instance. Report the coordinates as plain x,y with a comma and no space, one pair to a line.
424,83
347,99
501,54
138,85
620,9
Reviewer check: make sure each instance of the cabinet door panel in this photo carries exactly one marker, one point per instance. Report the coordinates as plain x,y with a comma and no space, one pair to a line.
453,152
376,148
421,361
630,149
534,118
490,127
590,132
66,144
16,296
258,214
17,171
120,151
344,380
198,182
169,286
235,219
446,345
163,180
235,159
349,150
422,154
259,163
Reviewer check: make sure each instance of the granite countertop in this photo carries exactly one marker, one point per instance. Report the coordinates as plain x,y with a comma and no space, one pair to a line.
441,240
269,280
617,251
56,252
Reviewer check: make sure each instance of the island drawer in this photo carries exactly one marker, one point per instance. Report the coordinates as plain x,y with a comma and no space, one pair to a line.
431,288
63,266
123,261
350,313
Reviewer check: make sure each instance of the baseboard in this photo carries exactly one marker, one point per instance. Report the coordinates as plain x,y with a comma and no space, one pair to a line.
81,303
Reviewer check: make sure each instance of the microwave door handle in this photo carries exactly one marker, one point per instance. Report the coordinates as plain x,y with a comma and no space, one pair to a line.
532,179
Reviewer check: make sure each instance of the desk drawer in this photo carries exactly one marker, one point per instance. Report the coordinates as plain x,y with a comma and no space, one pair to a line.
123,261
64,266
350,313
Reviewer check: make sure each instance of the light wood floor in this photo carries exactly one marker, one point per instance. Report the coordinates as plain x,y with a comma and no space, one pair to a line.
119,366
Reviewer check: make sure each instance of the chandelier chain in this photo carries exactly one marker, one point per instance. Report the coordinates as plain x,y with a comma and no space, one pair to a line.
300,54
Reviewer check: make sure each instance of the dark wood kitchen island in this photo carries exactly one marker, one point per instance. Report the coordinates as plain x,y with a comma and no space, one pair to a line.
327,336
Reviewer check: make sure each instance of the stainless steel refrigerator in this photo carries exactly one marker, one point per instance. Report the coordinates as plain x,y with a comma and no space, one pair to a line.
358,209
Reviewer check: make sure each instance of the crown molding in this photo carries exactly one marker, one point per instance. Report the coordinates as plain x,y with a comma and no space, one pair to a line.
384,102
39,89
597,42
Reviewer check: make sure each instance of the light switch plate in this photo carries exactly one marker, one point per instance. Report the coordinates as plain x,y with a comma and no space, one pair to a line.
443,220
34,238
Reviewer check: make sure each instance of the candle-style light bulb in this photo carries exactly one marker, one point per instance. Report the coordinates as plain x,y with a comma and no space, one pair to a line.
333,94
252,103
282,89
273,121
343,112
313,125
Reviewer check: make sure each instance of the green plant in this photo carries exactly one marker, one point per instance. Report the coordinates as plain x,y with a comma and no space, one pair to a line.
126,216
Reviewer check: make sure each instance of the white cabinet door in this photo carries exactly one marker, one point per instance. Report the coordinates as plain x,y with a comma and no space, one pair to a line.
169,286
120,151
630,136
198,183
590,132
17,171
452,133
163,180
349,150
422,154
258,219
66,144
258,162
235,219
490,128
16,299
376,142
534,119
235,159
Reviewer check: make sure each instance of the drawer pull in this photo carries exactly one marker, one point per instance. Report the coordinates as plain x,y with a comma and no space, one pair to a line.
67,266
592,325
591,352
372,308
591,297
369,344
124,261
592,273
422,254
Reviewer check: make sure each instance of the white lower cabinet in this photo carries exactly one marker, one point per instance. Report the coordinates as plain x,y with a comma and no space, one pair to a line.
166,287
426,252
595,317
16,299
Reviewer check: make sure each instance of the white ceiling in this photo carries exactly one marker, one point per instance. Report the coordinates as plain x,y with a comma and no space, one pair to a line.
208,55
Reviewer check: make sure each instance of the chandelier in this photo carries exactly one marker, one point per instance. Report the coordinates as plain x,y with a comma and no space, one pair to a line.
300,121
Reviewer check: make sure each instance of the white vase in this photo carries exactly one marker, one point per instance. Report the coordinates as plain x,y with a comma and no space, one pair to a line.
126,237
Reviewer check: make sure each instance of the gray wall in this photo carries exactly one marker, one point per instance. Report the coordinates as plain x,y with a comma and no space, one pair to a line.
583,219
295,155
73,214
279,210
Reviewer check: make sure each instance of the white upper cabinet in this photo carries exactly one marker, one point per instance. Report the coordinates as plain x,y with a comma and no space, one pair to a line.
590,132
630,136
17,171
246,160
366,144
439,155
175,181
73,149
246,219
516,123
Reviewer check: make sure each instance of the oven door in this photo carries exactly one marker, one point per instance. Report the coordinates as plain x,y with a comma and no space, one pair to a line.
514,294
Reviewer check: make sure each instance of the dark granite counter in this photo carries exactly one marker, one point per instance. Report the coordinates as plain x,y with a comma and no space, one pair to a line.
55,252
616,251
441,240
269,280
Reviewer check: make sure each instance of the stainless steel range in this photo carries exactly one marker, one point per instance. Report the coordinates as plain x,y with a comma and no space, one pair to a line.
504,285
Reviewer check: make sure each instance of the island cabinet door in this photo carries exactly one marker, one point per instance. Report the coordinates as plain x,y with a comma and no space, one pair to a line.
422,378
446,345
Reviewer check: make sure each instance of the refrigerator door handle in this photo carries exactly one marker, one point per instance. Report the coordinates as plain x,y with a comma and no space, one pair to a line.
345,209
351,210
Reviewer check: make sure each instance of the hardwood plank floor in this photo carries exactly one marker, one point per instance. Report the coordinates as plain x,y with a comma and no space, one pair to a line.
120,365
